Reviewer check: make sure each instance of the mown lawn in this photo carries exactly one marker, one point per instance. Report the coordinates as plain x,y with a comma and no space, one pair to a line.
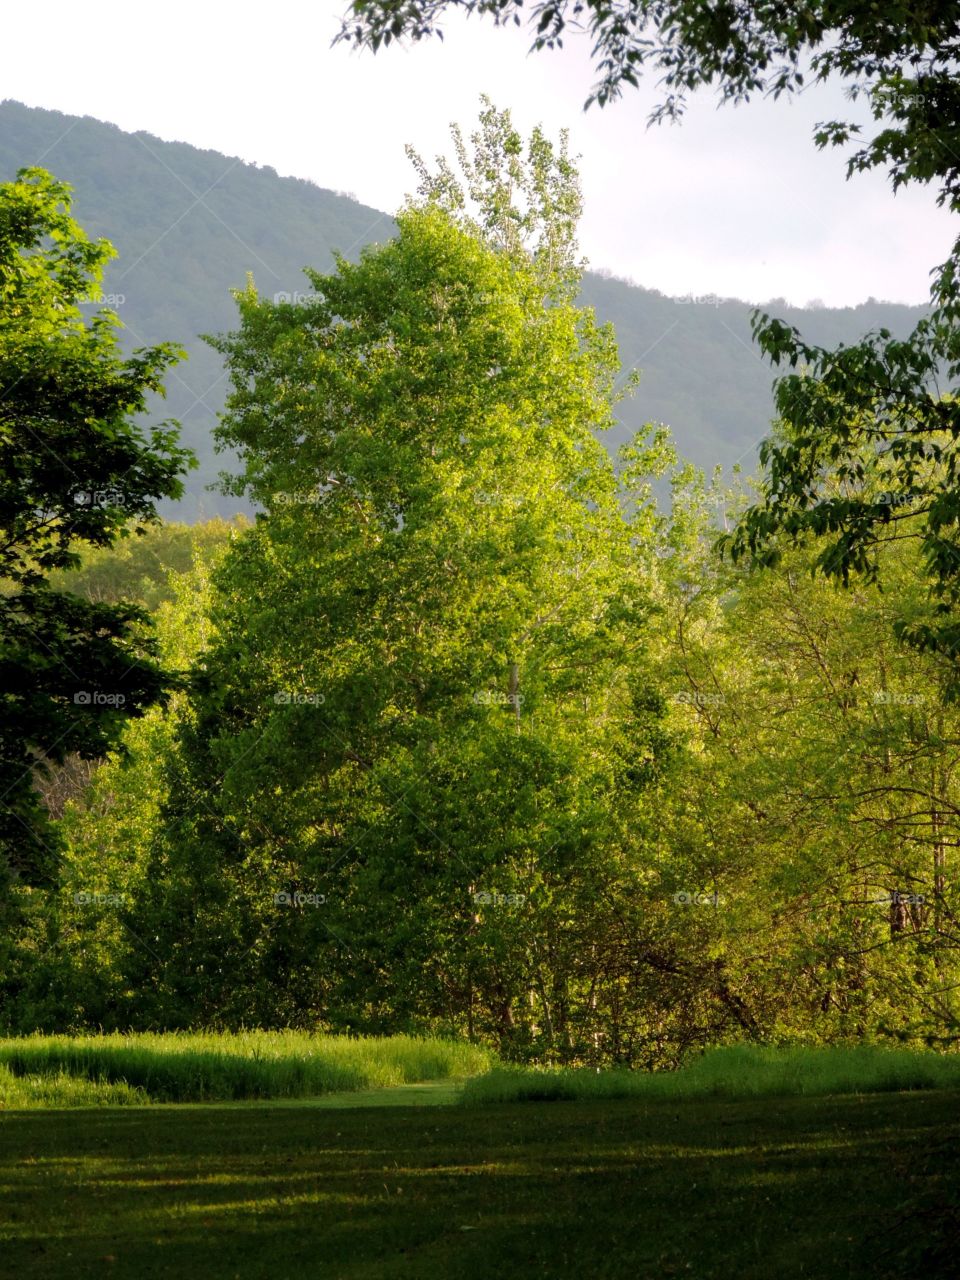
853,1186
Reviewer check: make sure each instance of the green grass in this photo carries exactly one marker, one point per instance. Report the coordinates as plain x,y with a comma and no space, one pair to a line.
736,1165
797,1188
65,1071
63,1090
738,1071
207,1066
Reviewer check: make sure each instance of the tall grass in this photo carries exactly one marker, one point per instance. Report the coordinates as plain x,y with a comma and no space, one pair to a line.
62,1090
51,1071
738,1071
214,1067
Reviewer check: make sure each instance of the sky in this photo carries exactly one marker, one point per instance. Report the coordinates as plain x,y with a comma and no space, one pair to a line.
734,201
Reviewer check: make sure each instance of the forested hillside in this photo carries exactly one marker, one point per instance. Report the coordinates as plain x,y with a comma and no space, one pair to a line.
189,225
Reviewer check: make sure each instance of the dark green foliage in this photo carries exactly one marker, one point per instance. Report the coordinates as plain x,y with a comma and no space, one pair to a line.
866,454
73,471
905,54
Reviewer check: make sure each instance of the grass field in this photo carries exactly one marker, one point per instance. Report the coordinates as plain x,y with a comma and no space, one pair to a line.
764,1189
67,1071
289,1155
212,1067
735,1071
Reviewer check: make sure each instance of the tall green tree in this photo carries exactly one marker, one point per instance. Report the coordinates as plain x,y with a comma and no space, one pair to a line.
74,470
877,404
426,707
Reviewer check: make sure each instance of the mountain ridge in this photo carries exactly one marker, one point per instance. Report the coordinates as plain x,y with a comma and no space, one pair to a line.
190,223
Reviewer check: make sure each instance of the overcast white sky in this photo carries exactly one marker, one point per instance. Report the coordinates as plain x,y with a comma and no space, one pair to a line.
735,201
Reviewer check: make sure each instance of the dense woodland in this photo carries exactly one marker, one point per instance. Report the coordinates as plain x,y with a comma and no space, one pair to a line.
467,730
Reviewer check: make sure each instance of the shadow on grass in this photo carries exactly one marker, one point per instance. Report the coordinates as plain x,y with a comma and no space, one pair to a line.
788,1187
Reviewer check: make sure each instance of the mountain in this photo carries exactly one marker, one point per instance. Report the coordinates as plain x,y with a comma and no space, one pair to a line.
189,225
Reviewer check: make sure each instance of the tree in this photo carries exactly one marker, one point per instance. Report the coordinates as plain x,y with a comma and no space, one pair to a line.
143,568
424,709
866,456
819,792
876,402
74,940
744,50
74,470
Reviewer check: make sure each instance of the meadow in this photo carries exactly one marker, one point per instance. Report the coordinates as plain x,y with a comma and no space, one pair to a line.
278,1155
220,1067
733,1071
144,1068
